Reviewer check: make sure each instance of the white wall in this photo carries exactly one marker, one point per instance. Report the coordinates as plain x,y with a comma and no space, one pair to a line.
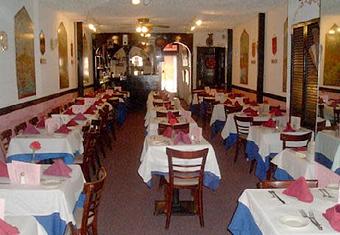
273,72
251,28
220,40
47,75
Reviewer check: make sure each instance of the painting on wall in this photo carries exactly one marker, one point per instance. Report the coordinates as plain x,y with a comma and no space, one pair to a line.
244,57
285,56
331,72
63,57
24,47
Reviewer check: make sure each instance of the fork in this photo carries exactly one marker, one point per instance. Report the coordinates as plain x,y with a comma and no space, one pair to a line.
323,193
312,219
328,194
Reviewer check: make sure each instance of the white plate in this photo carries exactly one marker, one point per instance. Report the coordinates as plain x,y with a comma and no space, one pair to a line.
50,183
294,221
333,186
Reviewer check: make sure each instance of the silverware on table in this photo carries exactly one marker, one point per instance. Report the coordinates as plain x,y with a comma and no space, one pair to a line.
327,193
323,193
311,218
273,193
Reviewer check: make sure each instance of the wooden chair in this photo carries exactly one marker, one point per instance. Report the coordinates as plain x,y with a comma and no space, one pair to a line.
185,127
242,128
283,183
163,114
20,128
34,121
210,107
321,108
156,104
56,110
184,176
336,115
321,125
86,217
303,139
5,138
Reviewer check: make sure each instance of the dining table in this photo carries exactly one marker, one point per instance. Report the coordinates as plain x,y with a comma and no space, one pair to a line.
152,128
259,212
26,225
327,148
51,203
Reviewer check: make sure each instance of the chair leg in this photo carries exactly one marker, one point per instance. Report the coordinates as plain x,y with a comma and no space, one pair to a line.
236,151
252,165
270,171
94,226
169,206
200,207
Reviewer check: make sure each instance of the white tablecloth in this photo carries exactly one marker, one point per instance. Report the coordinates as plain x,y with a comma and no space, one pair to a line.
28,200
27,225
267,211
329,145
152,128
154,158
50,143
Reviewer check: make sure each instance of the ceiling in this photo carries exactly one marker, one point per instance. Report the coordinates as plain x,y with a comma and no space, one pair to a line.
121,15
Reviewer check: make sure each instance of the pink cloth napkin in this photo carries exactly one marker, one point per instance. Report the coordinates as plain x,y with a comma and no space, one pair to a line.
182,137
7,229
333,104
89,111
58,168
237,104
253,103
89,95
246,100
300,149
167,132
167,105
252,113
333,216
107,96
41,123
171,118
232,96
3,169
98,102
31,130
299,189
63,130
249,110
80,102
72,123
69,112
276,112
79,117
289,128
228,102
270,123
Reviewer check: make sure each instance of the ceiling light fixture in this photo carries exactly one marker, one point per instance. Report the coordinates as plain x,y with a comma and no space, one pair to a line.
92,27
198,22
135,2
192,28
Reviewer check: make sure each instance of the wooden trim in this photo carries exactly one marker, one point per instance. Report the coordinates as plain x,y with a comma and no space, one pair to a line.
230,60
328,89
260,56
80,64
15,107
244,89
275,97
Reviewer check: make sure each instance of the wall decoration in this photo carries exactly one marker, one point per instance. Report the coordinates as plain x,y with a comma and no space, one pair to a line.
53,43
253,49
274,45
331,72
63,57
42,47
3,41
210,40
24,46
285,56
71,48
244,57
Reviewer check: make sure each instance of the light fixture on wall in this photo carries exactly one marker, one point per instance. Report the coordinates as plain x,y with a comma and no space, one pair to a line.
334,29
135,2
198,22
192,28
142,29
92,27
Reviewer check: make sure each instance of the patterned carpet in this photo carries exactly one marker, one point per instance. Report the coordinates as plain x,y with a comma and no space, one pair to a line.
127,204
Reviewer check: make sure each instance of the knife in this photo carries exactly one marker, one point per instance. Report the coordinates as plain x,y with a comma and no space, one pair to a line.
273,193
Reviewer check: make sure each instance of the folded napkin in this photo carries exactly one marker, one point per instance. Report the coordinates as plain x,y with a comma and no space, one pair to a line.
270,123
299,189
246,100
321,100
7,229
300,149
72,123
232,96
228,102
238,95
41,123
89,111
167,132
167,105
80,102
31,130
237,104
249,110
182,137
334,104
289,128
172,120
58,168
276,112
69,112
98,102
79,117
63,130
90,95
3,169
252,113
333,216
253,103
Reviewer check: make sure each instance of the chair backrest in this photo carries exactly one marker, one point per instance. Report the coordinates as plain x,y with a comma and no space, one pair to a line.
243,124
34,121
20,128
185,127
93,192
232,109
321,109
321,125
89,153
337,115
284,183
5,138
55,110
156,104
163,114
301,139
192,170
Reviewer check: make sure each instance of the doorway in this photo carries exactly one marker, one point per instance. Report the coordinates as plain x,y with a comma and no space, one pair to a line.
169,73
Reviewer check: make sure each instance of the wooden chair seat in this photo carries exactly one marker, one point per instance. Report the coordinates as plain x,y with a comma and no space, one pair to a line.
183,182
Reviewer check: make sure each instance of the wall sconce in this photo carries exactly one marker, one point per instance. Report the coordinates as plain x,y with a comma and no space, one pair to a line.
335,28
3,41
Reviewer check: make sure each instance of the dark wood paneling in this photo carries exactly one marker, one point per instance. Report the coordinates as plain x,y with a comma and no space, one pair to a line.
327,89
275,97
80,64
244,89
230,60
260,56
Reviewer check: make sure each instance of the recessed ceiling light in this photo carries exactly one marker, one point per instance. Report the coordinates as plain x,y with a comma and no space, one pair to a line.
192,28
198,22
135,2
